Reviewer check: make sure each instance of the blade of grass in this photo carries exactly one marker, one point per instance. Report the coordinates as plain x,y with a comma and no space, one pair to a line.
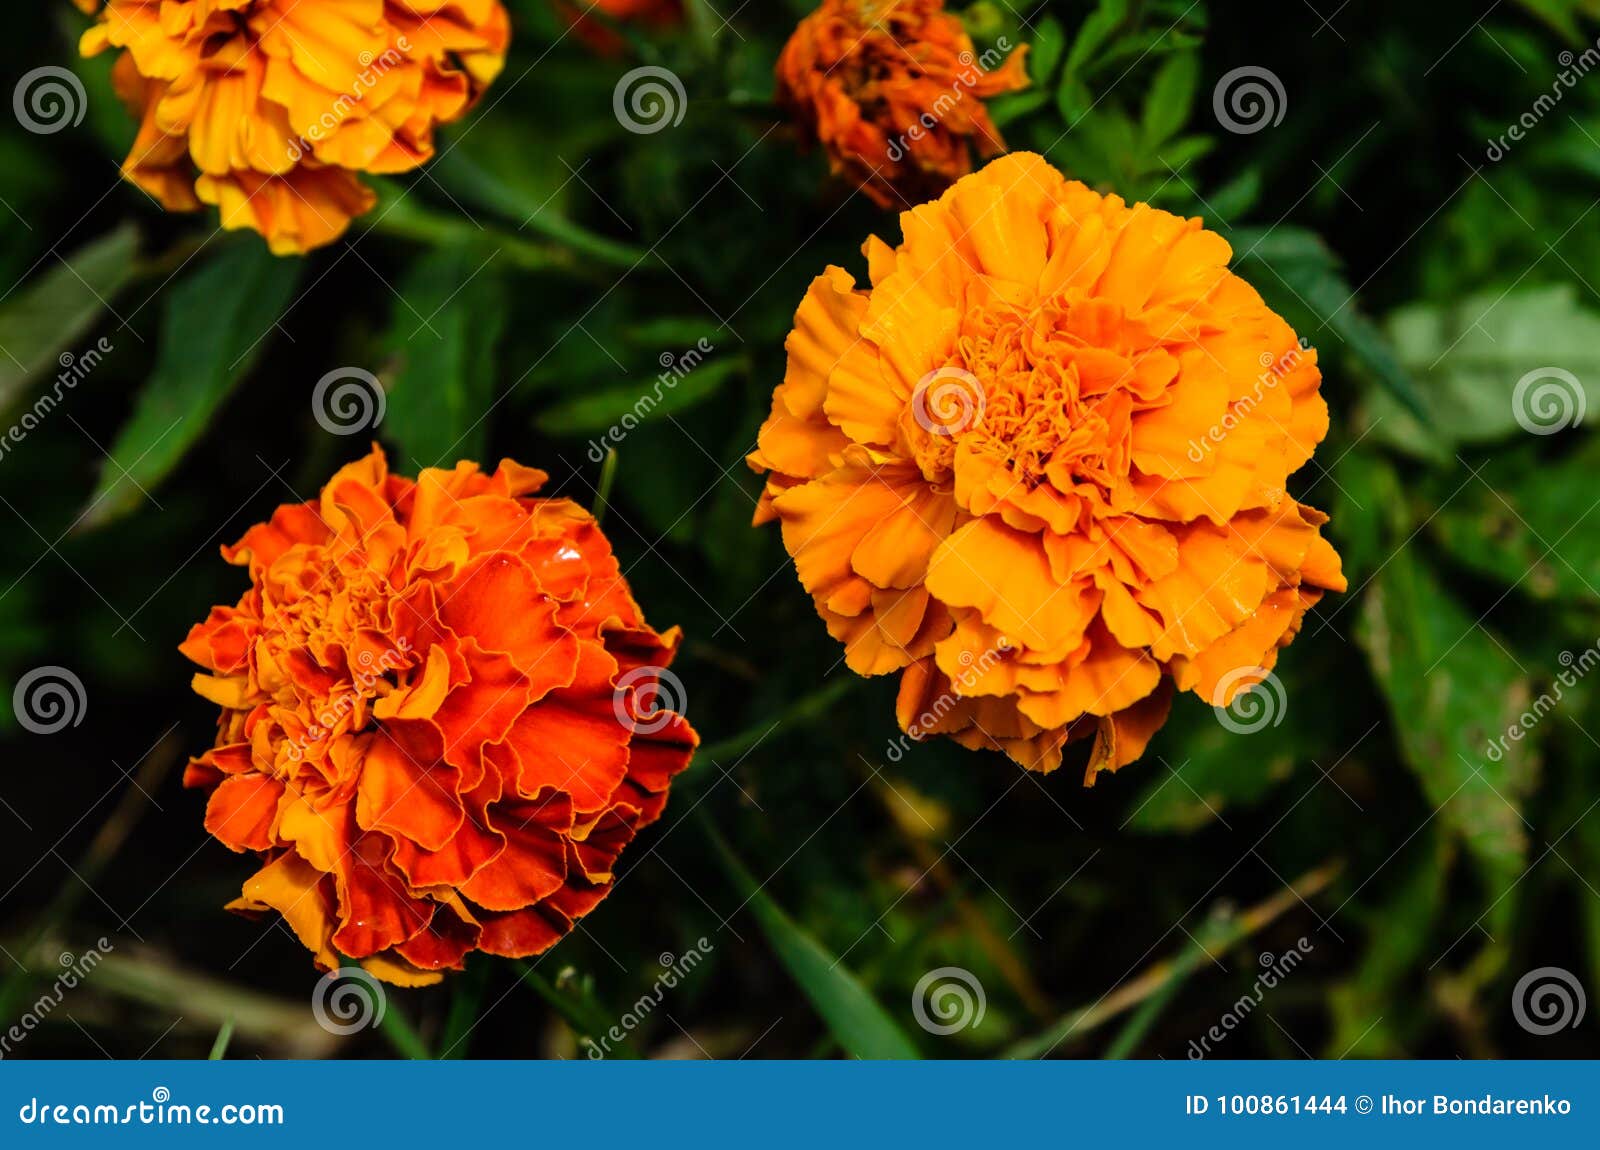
862,1026
220,1046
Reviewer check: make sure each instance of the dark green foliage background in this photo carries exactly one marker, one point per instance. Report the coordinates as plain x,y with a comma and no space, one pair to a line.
515,298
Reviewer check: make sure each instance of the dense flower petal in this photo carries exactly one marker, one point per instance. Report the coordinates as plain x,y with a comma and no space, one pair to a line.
431,733
1039,466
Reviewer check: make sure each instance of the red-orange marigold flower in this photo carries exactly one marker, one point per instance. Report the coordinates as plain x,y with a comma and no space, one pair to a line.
439,723
1039,466
269,108
894,91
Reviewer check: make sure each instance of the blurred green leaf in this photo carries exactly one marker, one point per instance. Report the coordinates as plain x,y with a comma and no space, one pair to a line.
1219,771
44,318
440,356
1530,522
853,1015
1171,98
214,323
1453,694
628,405
1469,357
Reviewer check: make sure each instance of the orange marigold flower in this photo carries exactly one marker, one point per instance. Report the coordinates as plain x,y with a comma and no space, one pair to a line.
439,717
269,108
894,91
1039,466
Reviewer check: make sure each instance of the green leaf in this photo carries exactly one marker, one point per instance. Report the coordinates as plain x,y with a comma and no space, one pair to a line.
214,323
853,1016
40,321
1219,771
1469,357
630,404
1303,279
1093,33
440,356
1454,695
1530,522
1171,98
1045,49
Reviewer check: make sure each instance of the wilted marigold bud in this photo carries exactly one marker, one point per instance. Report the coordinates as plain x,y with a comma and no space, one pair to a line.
269,108
1039,466
893,90
443,717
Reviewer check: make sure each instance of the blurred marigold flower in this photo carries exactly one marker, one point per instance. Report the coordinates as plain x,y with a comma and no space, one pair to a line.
439,717
1039,466
657,13
894,91
269,108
